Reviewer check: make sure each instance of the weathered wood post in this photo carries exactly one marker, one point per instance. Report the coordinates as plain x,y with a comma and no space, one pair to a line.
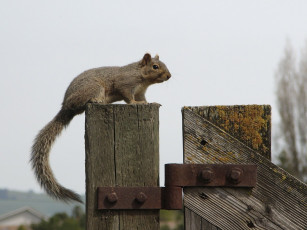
122,149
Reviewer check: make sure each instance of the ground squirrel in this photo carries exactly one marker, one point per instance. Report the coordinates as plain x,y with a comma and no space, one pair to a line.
103,85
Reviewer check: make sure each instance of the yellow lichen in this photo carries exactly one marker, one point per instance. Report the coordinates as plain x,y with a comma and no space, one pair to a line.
246,123
289,189
189,158
226,160
283,177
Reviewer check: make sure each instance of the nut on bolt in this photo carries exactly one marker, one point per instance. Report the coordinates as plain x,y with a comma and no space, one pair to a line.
207,175
141,197
112,197
235,175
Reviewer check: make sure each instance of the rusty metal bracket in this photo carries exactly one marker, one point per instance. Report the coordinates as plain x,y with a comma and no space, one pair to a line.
212,175
176,177
139,198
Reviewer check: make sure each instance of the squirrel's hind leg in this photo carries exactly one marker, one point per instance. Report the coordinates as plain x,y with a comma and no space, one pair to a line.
99,96
78,99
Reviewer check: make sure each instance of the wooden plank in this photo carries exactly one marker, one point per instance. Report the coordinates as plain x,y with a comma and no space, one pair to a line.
277,202
122,149
187,218
99,163
206,225
193,220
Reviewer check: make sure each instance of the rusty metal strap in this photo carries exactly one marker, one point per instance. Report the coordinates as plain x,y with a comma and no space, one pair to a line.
139,198
210,175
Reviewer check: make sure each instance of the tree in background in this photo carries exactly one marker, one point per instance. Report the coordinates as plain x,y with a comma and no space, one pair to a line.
171,220
291,82
22,227
79,215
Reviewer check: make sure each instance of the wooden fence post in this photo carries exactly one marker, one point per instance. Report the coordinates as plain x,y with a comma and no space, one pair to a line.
122,149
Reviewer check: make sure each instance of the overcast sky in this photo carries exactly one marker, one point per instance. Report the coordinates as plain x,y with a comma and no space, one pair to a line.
219,53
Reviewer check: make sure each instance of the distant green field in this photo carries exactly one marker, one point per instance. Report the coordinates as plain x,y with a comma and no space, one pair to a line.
12,200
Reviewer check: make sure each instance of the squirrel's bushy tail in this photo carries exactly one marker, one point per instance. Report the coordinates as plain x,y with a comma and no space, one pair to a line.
40,157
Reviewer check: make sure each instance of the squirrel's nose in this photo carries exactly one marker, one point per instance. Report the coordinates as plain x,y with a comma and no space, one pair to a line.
168,76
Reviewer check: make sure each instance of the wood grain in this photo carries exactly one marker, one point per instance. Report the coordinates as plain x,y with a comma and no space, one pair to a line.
122,149
277,202
194,221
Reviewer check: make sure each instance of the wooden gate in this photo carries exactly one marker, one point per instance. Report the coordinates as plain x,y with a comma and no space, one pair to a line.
239,134
122,150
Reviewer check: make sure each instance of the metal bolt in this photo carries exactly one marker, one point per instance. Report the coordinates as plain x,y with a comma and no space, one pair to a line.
235,175
141,197
207,175
112,197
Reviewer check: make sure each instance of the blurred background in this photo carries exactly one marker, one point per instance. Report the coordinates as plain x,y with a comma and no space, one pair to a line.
219,53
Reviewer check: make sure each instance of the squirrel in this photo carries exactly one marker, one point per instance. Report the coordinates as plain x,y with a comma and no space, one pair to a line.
99,85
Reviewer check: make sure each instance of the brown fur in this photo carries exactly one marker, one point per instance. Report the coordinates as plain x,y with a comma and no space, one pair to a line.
103,85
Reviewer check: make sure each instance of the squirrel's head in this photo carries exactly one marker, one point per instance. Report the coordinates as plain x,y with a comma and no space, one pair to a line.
153,70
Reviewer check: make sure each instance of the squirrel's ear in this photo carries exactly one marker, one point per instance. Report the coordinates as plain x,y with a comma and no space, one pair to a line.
146,59
157,57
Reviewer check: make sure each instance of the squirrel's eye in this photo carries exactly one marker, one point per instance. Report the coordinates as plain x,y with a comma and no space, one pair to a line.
155,67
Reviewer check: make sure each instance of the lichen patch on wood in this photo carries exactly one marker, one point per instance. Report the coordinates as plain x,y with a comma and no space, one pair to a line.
251,124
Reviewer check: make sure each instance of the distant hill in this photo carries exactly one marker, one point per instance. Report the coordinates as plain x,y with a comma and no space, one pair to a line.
12,200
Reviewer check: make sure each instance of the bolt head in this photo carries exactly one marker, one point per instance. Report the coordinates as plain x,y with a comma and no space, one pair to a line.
112,197
141,197
235,175
207,175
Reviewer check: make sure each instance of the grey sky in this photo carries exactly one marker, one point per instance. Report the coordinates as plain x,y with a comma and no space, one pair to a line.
219,52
